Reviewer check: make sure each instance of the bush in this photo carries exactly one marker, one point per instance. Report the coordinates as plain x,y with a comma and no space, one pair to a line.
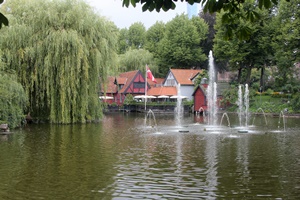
295,102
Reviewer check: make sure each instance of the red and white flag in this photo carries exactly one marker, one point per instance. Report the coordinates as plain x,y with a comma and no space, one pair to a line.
150,75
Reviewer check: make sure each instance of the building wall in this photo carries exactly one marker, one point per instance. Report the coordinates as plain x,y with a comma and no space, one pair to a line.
199,100
187,90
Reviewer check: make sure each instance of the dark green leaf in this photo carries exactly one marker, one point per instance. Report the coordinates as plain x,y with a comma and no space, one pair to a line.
3,20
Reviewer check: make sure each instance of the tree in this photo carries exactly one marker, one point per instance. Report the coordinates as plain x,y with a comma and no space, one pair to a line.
286,41
136,35
244,55
59,53
123,41
135,59
12,98
232,10
180,46
154,35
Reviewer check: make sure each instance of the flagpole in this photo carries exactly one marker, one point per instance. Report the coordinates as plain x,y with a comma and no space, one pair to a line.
146,88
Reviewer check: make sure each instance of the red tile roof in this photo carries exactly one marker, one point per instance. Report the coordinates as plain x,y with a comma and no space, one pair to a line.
158,81
157,91
109,86
126,78
185,76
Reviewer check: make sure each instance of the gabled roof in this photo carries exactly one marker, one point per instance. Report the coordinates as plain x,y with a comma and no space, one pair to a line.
126,79
157,91
109,86
185,76
201,88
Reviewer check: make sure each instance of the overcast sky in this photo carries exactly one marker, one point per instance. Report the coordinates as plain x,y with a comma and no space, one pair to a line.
124,17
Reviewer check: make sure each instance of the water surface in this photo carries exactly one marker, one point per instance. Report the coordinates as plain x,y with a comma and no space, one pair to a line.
122,158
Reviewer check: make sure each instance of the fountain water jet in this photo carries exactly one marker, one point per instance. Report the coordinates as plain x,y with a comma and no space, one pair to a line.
243,104
283,120
225,114
212,92
179,107
149,115
263,115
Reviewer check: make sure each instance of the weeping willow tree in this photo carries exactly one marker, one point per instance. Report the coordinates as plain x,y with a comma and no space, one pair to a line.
59,49
12,98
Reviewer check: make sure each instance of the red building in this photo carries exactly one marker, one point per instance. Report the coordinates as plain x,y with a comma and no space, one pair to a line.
132,82
200,101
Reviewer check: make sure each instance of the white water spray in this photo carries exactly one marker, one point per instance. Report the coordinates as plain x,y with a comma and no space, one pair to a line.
212,92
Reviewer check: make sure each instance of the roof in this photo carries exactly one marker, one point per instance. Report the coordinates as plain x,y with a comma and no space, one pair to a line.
185,76
126,79
158,91
159,81
110,86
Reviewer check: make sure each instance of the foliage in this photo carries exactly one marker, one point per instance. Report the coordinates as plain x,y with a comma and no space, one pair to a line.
135,59
136,35
287,43
295,102
232,10
244,54
180,46
59,53
128,99
12,99
200,77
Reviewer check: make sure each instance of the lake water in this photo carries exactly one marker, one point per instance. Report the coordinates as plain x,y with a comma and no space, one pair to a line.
122,158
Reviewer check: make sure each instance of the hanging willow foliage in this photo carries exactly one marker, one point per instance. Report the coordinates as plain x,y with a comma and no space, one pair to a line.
59,49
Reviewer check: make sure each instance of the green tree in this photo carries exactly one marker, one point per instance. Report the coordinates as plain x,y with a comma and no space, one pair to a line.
232,10
59,49
123,41
180,46
153,37
244,55
135,59
136,35
286,41
12,98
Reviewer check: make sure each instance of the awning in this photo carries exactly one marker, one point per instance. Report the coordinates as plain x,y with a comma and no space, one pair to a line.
144,97
178,97
105,97
163,97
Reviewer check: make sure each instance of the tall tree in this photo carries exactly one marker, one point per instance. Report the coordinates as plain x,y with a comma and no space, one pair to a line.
232,9
153,37
245,54
287,41
180,46
59,53
136,35
12,99
135,59
123,41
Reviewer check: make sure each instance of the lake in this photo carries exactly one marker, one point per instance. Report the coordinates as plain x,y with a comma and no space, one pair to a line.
128,156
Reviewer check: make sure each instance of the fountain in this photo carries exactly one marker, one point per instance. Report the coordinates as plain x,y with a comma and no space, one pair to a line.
260,109
228,122
281,115
149,115
212,92
179,108
246,102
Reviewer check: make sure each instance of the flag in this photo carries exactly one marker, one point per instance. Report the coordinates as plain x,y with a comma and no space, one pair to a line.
150,75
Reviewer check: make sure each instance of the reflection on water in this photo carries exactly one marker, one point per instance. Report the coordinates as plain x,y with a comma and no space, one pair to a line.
119,158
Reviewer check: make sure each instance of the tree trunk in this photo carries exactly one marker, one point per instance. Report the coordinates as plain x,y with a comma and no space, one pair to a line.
249,69
262,81
239,75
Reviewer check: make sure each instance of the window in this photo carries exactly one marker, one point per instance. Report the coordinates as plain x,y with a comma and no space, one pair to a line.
138,85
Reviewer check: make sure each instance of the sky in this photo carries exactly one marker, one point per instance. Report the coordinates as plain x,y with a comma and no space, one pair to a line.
124,17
